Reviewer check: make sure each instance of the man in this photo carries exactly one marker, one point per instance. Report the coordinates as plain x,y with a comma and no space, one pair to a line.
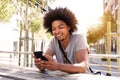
61,23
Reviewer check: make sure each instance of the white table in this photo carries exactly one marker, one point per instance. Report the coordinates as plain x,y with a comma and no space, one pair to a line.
8,72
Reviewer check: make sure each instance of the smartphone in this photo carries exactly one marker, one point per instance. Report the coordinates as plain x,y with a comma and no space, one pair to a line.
38,54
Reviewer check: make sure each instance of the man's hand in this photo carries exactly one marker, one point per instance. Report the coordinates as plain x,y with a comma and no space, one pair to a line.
51,64
38,63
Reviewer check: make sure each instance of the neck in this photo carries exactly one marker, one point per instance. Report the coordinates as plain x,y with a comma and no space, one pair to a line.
65,42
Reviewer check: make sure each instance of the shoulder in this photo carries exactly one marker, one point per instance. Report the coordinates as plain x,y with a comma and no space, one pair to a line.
79,39
53,44
53,40
78,36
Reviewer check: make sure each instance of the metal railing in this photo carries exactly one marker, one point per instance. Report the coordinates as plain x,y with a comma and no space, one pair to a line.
100,61
17,58
95,61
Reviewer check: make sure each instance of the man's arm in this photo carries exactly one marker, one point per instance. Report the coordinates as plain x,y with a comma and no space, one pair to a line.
80,66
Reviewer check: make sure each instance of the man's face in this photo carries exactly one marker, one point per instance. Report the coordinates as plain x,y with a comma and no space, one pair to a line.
60,30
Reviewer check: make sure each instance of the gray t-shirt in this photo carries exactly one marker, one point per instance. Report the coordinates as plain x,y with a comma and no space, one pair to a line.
77,42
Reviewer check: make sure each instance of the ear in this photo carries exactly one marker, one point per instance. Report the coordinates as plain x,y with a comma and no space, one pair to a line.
69,28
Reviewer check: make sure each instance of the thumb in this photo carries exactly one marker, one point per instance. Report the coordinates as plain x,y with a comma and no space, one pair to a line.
49,58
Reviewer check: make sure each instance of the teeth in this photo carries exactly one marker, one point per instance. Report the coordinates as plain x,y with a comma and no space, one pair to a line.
59,35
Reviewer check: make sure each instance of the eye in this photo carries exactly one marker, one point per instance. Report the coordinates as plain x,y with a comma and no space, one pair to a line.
61,26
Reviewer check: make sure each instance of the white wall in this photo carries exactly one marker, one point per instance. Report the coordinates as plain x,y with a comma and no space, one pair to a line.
7,37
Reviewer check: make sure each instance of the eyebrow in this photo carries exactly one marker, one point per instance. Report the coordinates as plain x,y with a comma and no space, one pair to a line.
59,25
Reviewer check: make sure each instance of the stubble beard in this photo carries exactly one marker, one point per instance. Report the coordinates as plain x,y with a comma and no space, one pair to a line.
60,39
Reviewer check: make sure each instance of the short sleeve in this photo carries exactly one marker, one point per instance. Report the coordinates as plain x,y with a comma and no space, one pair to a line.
54,47
81,43
51,45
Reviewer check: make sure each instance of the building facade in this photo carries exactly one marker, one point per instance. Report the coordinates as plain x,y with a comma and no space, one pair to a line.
112,7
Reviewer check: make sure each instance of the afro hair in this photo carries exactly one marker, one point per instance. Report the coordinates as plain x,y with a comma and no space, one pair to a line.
63,14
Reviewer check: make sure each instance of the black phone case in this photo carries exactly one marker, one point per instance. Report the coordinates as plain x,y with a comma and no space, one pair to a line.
38,54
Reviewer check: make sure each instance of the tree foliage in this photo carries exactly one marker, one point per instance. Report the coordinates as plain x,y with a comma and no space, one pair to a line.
35,20
37,7
7,9
96,32
108,17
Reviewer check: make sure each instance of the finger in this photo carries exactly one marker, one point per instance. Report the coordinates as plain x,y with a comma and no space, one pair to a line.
34,56
46,65
49,58
37,60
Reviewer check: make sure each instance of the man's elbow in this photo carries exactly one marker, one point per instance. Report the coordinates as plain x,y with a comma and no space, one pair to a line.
82,69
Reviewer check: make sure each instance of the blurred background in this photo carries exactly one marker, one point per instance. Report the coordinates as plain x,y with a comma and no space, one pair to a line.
22,32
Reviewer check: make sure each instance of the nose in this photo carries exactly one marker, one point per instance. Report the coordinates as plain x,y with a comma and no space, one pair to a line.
57,31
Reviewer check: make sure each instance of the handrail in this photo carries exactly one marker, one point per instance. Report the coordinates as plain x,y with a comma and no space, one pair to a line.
15,60
105,55
16,52
105,64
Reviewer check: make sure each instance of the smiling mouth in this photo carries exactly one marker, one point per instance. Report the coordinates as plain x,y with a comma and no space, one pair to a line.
59,35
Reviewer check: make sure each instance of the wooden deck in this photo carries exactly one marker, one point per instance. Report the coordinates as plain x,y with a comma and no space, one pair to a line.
8,72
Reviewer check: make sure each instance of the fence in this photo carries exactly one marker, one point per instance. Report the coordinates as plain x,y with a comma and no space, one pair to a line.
17,58
95,61
100,61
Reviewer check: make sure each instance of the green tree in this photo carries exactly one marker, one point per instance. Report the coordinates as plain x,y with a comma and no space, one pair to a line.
7,9
35,19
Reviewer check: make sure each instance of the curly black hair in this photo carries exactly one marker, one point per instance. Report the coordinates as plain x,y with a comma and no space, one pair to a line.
63,14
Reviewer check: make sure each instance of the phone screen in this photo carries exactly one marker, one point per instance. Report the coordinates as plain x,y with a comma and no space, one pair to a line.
38,54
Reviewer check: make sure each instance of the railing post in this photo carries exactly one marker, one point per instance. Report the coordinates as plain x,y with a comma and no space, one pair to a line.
118,51
118,38
109,46
26,40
